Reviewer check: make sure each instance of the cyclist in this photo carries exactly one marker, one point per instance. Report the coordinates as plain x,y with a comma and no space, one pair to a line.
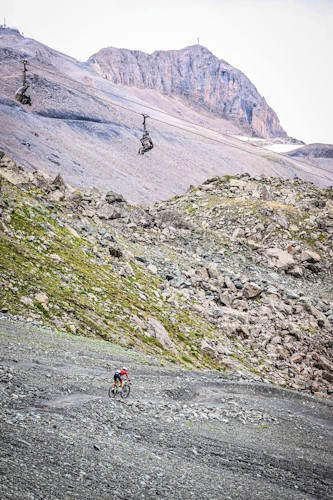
118,375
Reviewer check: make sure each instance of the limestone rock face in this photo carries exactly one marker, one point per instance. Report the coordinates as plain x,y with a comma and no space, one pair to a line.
197,76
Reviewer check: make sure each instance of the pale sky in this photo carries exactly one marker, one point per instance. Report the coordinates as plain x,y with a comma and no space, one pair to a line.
285,47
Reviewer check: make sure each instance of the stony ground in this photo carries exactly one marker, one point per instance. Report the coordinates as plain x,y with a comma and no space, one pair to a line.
181,434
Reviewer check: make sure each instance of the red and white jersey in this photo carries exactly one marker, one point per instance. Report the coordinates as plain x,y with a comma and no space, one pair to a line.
124,372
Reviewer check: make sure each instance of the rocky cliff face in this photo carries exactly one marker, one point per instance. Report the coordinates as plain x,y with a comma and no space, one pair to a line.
197,76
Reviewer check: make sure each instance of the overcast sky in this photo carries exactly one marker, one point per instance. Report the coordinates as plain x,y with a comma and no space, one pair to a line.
285,47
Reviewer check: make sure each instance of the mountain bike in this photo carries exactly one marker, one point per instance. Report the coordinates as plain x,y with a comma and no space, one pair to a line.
113,393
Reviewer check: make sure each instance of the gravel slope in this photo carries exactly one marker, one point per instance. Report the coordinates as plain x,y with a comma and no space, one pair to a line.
179,435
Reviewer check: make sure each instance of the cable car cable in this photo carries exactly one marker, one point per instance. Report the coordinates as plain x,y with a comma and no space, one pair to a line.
278,155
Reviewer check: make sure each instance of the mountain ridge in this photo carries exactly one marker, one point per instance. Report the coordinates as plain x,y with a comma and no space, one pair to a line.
196,75
87,128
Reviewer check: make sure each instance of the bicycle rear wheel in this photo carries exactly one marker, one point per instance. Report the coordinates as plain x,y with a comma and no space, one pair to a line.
112,393
126,390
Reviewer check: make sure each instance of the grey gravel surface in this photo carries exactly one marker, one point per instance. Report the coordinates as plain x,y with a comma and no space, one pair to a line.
180,434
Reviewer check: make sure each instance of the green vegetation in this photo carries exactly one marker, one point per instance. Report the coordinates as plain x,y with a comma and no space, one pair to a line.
84,294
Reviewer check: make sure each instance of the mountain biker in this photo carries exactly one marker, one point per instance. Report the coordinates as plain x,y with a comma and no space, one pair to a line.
118,375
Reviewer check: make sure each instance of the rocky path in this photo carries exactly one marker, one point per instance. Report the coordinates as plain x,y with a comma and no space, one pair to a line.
180,434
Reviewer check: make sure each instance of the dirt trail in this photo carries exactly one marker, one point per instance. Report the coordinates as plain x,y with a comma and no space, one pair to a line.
180,435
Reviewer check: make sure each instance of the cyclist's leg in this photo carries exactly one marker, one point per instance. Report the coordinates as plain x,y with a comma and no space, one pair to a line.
115,380
118,381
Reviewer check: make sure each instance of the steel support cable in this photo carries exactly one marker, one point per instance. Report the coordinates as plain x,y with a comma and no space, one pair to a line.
175,117
160,111
147,106
205,136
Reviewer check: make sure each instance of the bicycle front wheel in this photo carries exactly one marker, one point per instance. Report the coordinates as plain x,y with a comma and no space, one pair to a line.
126,390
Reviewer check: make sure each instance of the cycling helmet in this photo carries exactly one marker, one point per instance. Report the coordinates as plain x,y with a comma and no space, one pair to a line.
124,368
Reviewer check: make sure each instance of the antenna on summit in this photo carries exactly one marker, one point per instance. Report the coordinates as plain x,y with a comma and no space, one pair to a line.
4,23
198,40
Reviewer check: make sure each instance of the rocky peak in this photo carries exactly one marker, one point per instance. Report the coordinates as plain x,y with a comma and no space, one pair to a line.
195,75
4,30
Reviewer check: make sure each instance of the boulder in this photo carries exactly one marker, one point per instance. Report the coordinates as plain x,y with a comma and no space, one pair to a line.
27,301
152,269
112,211
251,290
93,197
72,231
312,257
296,271
225,298
127,270
72,328
13,173
324,364
265,194
213,270
42,298
41,179
207,349
157,331
58,184
238,233
319,315
272,289
75,198
112,197
283,260
115,250
296,358
237,183
55,257
281,220
57,195
229,284
234,313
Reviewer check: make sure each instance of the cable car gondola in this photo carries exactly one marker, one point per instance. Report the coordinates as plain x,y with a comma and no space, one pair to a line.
147,143
20,94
